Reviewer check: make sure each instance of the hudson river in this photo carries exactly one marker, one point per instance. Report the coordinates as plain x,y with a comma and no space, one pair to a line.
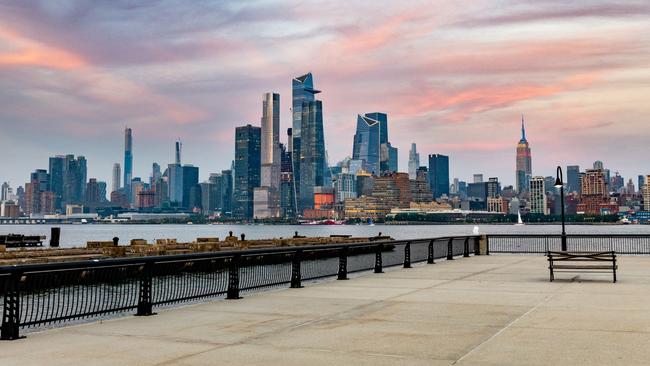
78,235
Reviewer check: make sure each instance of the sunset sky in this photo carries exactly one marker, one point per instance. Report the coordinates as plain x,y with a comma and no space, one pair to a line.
453,76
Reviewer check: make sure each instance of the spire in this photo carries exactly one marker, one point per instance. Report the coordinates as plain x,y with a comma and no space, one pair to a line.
179,146
523,129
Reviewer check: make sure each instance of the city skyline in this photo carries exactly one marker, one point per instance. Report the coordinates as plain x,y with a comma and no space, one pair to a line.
585,91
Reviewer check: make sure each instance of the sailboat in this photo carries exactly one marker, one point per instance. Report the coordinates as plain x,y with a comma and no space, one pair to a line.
519,220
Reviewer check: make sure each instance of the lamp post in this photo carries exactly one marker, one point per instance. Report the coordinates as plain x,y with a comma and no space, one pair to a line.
559,183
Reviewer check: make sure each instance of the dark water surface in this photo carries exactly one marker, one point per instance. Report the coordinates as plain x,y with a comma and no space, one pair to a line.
78,235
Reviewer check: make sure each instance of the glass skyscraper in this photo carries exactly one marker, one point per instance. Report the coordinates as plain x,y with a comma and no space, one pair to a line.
247,169
57,168
366,145
312,152
573,178
302,91
439,175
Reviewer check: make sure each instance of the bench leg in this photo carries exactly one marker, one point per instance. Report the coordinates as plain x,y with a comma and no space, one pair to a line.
614,275
551,274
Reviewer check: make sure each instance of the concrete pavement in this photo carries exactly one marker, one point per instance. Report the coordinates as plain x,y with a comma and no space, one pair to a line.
488,310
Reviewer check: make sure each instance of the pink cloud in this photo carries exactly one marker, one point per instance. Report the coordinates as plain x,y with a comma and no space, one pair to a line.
30,53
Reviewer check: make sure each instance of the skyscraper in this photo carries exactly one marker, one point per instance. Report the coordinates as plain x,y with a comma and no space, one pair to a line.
524,169
302,91
287,191
387,153
74,180
439,175
155,174
414,162
177,154
4,192
573,178
191,189
367,144
641,182
175,186
646,193
538,196
247,169
117,175
128,160
312,152
268,194
56,171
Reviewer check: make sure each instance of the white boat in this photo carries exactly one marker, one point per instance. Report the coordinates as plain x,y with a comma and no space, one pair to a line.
519,220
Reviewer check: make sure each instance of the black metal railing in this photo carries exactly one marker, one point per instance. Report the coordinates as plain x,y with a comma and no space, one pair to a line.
540,244
42,294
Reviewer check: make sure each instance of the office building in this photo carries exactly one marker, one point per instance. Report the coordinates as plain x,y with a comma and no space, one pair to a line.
367,147
414,161
4,192
573,178
302,92
345,186
538,199
439,175
312,152
247,169
493,187
394,189
420,188
365,183
74,177
594,199
646,194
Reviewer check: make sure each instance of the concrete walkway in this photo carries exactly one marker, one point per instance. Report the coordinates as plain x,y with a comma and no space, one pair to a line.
496,310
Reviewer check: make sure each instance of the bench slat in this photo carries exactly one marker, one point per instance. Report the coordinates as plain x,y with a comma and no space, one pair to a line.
583,267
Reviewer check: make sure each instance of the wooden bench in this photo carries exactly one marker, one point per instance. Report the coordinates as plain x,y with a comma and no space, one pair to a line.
601,262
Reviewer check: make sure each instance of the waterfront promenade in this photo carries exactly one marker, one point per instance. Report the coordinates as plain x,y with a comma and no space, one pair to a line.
483,310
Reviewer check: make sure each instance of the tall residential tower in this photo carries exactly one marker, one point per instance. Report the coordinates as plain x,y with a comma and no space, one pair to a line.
128,160
267,196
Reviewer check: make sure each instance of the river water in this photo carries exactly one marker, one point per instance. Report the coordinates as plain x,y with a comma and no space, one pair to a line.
78,235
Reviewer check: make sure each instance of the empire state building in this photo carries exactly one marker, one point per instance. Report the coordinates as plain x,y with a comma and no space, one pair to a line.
524,161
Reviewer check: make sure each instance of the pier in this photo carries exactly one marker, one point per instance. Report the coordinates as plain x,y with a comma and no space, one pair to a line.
386,308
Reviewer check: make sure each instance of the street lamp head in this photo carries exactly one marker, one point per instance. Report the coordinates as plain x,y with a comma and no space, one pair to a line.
559,180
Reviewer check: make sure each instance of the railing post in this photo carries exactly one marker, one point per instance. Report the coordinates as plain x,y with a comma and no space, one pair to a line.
378,261
343,264
11,312
145,307
407,255
296,276
430,249
477,246
450,249
233,278
487,245
466,247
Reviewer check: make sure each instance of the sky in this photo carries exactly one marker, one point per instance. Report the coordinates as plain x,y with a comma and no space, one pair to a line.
453,77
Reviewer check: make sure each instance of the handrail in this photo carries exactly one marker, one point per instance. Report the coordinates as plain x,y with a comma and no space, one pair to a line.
36,294
200,256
